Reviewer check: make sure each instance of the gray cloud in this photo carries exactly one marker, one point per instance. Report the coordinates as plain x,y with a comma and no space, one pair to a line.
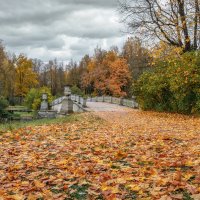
63,28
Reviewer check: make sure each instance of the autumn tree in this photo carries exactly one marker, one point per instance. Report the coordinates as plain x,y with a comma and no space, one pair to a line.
163,52
7,74
119,77
3,74
43,76
73,75
107,74
137,56
103,72
87,79
61,79
25,77
94,80
51,75
176,22
37,65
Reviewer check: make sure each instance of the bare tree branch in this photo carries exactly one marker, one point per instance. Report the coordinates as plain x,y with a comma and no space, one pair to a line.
173,21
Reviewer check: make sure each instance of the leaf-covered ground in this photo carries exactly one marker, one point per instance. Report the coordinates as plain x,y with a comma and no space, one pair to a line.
109,155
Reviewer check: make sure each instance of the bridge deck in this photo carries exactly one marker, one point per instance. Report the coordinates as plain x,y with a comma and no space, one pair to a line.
103,107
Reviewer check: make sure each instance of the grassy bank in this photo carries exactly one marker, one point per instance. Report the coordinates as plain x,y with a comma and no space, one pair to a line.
9,126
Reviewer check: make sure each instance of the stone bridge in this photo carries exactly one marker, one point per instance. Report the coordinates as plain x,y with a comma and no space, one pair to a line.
99,103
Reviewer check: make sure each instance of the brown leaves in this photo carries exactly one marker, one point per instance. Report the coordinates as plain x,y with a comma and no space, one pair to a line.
39,184
120,155
139,155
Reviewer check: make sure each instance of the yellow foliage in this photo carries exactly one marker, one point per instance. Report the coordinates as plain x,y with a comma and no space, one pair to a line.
163,51
25,77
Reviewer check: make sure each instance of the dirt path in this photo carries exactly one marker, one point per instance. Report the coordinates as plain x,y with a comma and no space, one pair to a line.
151,121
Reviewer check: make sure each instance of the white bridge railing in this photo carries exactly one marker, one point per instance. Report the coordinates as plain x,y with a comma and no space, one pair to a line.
75,98
57,101
108,99
79,100
120,101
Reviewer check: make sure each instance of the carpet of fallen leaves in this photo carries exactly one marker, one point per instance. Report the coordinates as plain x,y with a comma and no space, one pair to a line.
109,155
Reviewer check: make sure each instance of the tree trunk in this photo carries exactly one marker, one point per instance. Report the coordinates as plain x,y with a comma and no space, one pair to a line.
181,4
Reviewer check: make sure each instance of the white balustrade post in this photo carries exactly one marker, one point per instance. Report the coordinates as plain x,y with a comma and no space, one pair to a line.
84,102
121,101
79,99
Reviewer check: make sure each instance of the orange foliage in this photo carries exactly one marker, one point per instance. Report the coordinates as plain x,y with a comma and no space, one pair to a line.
119,78
109,76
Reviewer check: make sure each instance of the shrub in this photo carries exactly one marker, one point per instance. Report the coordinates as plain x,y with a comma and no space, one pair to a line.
3,105
173,85
76,90
34,97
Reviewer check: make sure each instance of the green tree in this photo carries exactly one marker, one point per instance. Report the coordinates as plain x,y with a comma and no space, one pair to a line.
34,97
76,90
3,105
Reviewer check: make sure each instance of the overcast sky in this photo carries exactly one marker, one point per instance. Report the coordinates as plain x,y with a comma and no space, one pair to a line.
65,29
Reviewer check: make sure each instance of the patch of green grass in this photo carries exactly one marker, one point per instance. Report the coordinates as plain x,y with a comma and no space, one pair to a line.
11,193
80,192
186,195
25,114
9,126
52,156
124,163
100,197
56,190
17,107
169,169
192,178
145,163
186,168
131,195
115,167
